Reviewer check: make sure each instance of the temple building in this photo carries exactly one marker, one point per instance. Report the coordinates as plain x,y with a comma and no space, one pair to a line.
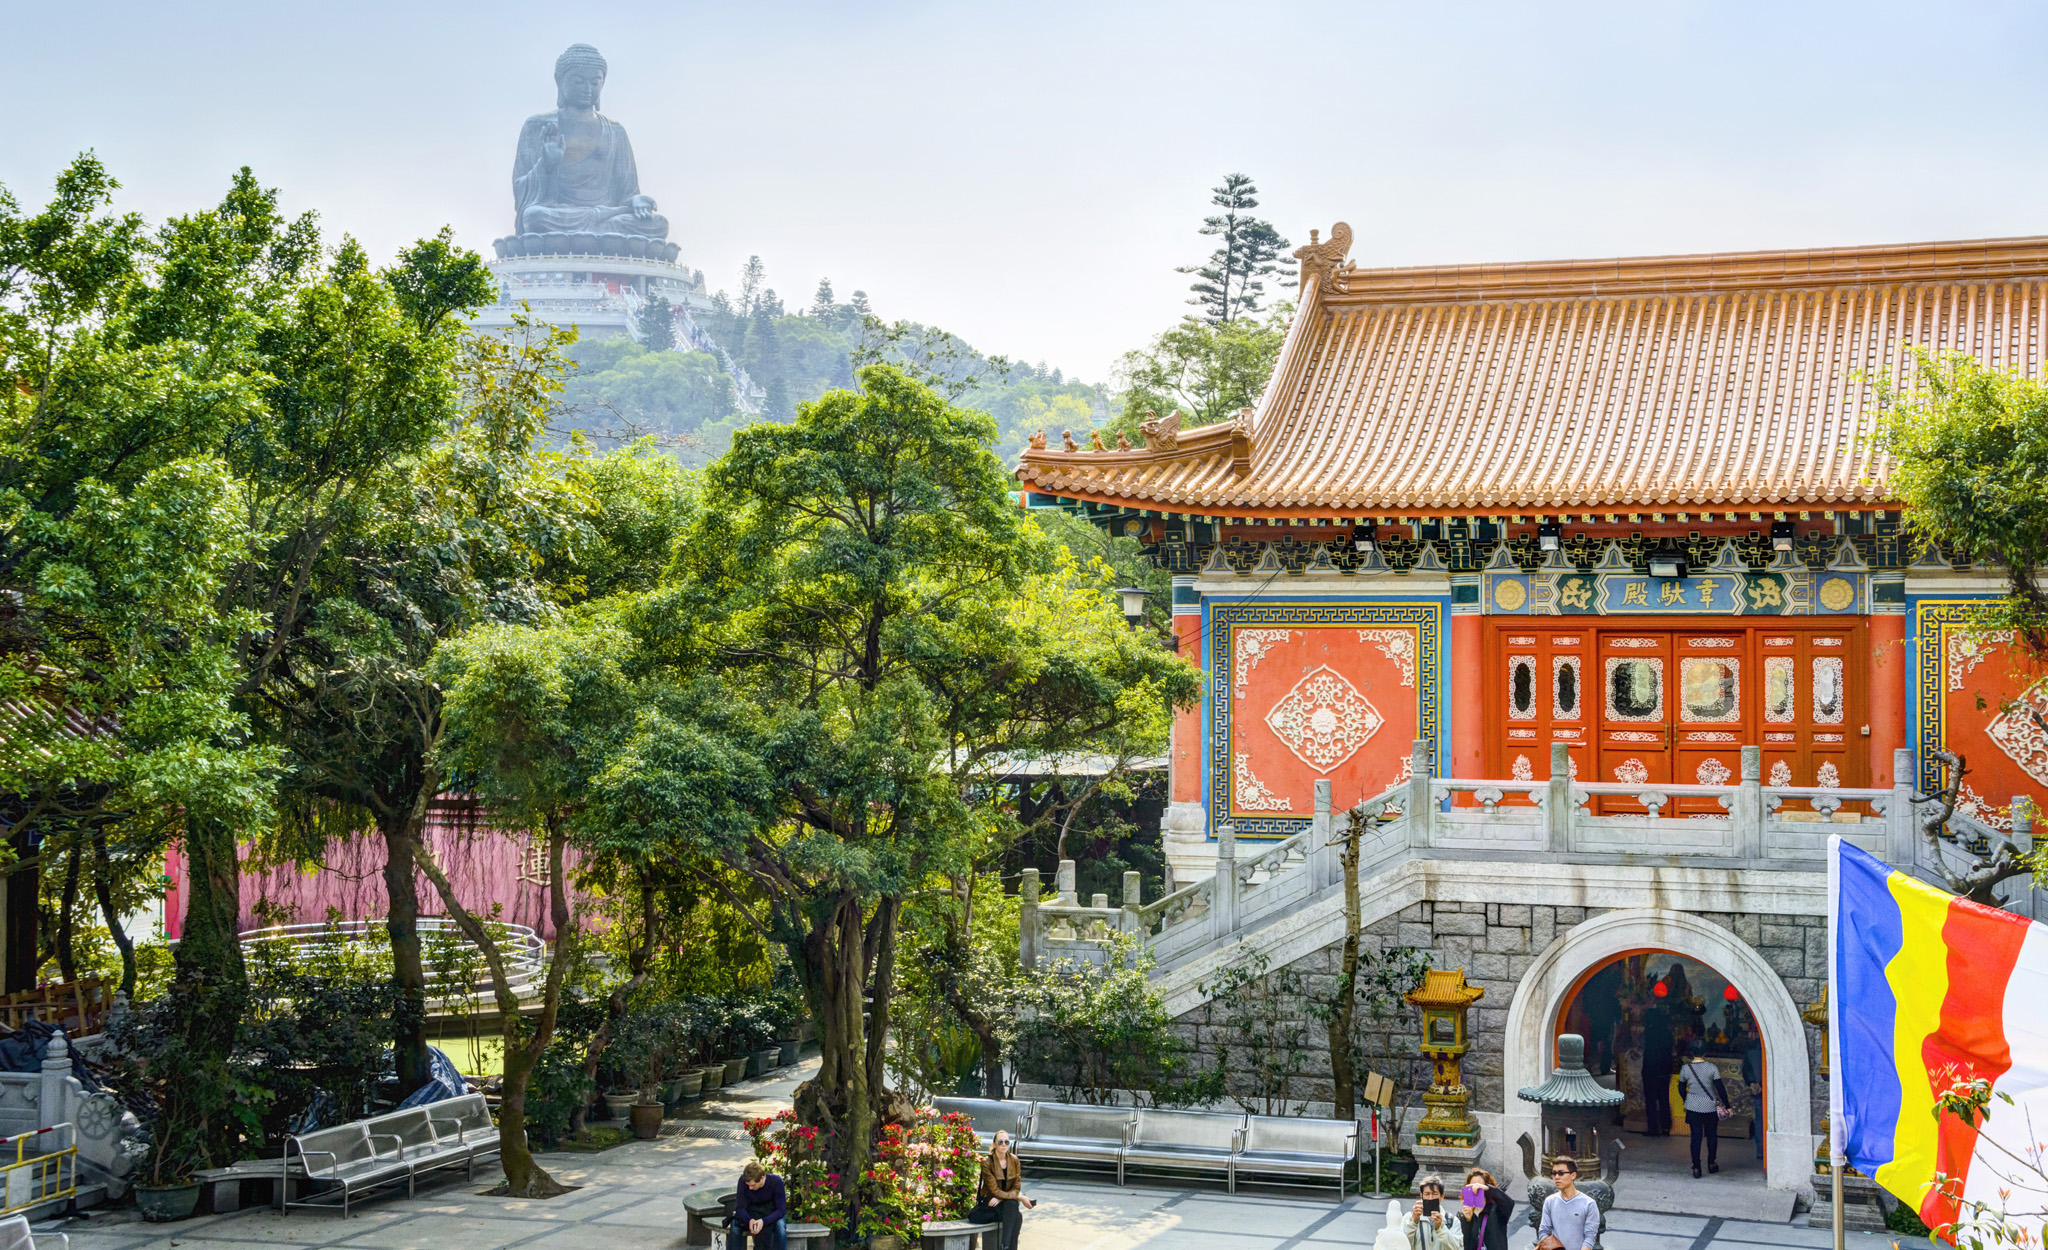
1586,576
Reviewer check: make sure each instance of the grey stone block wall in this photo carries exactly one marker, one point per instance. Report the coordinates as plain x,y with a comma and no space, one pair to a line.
1495,943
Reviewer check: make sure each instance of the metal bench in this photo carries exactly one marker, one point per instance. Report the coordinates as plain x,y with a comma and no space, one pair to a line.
1182,1141
1071,1133
988,1115
707,1210
1284,1146
367,1154
345,1156
952,1235
465,1124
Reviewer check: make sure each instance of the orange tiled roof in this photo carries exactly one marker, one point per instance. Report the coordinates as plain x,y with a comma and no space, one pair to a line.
1738,380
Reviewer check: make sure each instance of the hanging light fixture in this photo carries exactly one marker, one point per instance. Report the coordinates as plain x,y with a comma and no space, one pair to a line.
1659,989
1668,559
1731,995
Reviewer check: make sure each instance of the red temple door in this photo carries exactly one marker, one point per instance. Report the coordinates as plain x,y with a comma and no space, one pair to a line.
1634,705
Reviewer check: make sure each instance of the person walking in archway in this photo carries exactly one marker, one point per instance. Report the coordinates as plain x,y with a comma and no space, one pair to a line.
1706,1103
1657,1055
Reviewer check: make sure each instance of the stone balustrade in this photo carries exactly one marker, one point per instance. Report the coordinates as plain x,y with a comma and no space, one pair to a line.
1552,821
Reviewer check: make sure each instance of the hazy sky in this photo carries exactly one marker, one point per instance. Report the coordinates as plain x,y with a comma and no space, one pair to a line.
1028,175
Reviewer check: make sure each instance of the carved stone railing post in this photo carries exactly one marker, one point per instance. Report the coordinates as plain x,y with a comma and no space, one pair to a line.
1322,857
53,1106
1748,810
1027,920
1134,890
1560,798
1902,834
1065,897
1421,809
1223,908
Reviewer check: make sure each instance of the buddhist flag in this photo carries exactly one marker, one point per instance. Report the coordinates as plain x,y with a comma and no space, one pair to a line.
1928,990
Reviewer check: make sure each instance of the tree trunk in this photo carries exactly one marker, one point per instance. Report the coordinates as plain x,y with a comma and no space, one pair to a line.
211,982
1345,1009
841,1099
103,890
402,831
523,1177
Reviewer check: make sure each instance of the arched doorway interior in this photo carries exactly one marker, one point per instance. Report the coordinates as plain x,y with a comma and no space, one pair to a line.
1645,1004
1535,1017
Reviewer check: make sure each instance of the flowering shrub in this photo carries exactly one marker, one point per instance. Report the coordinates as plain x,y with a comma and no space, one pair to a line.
925,1170
796,1152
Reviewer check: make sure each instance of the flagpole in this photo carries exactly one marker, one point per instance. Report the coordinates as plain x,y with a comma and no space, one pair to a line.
1835,1167
1837,1160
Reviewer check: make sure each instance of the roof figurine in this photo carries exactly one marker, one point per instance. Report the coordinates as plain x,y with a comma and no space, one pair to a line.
1322,260
1160,435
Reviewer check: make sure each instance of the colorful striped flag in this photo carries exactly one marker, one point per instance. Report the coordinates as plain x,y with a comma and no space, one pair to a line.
1928,990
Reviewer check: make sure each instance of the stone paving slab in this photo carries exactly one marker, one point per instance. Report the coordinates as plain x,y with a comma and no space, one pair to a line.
631,1198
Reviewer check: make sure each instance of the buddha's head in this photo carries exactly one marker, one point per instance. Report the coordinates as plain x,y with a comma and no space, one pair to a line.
579,77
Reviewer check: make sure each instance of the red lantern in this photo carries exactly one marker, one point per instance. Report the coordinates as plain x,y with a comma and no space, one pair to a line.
1731,995
1660,989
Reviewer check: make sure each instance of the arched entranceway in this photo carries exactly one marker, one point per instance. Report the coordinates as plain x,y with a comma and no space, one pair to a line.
1544,993
1645,1003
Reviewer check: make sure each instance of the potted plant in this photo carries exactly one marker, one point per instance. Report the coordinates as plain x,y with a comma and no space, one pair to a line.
153,1060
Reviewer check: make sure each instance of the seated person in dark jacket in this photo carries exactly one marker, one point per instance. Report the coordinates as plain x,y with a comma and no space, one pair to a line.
759,1211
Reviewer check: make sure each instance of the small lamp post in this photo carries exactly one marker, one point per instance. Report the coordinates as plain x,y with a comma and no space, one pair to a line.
1134,603
1447,1137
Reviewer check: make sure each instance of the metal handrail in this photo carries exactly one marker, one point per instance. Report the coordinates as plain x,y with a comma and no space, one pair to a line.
524,952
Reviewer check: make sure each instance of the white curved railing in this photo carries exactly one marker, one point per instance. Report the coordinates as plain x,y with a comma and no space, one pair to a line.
523,950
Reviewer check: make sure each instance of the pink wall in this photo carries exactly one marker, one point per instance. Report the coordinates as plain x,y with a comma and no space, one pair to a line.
485,865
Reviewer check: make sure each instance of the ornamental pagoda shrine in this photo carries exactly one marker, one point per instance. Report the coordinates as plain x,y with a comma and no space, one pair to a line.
1632,509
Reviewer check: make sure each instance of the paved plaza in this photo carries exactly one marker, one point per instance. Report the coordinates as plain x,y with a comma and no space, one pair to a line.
631,1198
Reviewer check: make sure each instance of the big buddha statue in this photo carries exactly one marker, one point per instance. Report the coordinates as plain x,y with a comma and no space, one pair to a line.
575,187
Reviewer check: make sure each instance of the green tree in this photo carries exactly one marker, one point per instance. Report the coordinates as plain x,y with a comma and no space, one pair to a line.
1231,284
656,322
821,303
859,583
1209,372
531,713
1969,451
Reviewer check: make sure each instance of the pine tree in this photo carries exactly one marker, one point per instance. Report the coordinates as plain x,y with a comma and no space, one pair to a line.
1230,283
751,276
777,407
656,322
821,303
770,304
860,304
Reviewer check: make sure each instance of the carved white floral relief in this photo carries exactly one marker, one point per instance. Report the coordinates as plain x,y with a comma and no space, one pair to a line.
1632,772
1712,772
1323,719
2016,730
1781,773
1249,795
1828,777
1522,770
1252,646
1967,650
1397,645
